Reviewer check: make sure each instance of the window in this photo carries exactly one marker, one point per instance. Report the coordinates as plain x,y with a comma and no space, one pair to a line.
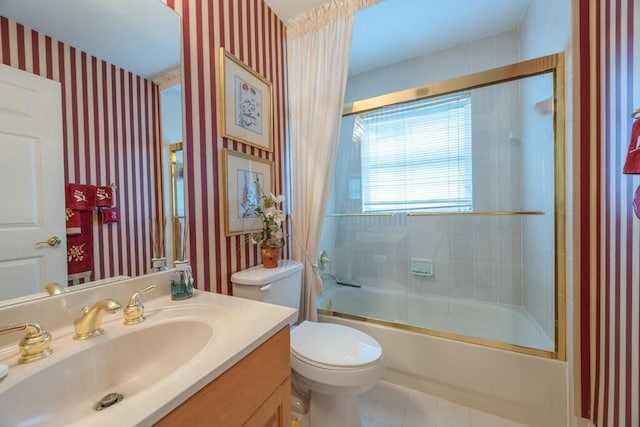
416,156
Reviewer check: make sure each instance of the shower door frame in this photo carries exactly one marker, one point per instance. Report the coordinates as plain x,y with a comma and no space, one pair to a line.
546,64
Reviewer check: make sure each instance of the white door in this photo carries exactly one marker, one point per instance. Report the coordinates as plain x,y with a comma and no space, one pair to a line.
31,184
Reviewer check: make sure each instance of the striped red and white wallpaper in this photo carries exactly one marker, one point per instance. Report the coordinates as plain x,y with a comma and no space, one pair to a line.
609,242
110,135
254,34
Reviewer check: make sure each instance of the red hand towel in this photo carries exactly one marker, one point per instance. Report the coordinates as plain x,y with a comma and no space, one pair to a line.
81,197
80,249
109,215
632,163
104,196
73,221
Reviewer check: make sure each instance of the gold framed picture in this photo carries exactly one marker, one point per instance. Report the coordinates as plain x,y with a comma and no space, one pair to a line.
241,195
247,113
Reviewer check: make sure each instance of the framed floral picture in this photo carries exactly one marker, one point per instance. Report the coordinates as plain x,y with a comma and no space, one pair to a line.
241,195
247,113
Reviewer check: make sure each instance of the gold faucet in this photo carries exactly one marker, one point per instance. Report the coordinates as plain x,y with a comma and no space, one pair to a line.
88,325
35,344
134,312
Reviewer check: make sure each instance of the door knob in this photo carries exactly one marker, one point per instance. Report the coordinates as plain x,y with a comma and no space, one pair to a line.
53,241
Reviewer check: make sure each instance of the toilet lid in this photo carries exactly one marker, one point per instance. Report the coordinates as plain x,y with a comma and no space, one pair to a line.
334,345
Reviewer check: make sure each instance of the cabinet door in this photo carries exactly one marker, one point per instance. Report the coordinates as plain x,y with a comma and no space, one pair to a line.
275,411
256,391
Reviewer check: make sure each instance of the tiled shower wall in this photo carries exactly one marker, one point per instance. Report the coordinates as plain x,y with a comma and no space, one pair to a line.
545,30
495,51
538,190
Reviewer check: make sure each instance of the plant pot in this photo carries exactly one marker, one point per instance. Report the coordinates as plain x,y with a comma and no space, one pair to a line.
270,256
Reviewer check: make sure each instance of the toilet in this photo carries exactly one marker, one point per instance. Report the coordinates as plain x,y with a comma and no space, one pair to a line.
330,363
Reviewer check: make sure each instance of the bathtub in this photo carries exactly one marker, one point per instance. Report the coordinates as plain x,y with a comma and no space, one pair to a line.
468,318
525,388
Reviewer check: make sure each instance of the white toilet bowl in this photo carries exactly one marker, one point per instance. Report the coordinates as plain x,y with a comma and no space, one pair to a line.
334,364
331,363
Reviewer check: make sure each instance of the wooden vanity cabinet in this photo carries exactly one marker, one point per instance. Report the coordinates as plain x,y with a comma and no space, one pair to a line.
255,392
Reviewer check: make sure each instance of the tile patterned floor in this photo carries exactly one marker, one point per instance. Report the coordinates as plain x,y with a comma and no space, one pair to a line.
390,405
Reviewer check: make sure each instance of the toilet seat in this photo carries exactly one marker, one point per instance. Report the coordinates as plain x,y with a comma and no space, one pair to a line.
334,347
310,362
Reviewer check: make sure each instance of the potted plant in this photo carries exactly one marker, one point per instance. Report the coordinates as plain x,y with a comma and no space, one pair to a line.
271,237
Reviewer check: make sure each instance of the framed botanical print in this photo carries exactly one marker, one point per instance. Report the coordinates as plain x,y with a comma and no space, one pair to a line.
247,113
241,195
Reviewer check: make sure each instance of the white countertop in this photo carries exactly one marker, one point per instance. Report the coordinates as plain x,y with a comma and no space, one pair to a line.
239,327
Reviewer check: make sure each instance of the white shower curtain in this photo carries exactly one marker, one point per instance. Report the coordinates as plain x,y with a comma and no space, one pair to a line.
318,46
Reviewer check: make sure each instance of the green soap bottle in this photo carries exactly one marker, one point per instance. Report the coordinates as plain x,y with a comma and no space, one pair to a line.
182,281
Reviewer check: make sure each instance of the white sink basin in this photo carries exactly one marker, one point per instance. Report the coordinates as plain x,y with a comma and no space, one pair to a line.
156,365
128,361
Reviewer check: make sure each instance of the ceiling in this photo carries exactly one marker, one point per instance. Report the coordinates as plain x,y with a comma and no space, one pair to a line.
141,36
386,33
289,9
396,30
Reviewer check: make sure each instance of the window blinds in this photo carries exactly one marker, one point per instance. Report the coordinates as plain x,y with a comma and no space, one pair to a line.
417,156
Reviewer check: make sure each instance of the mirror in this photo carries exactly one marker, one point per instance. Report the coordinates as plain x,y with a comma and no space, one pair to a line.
112,58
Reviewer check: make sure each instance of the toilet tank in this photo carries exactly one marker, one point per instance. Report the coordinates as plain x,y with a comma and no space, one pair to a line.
281,285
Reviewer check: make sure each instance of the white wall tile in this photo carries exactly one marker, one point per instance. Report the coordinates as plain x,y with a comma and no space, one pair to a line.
483,54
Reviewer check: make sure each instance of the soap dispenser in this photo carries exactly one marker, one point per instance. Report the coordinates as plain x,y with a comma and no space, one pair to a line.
182,282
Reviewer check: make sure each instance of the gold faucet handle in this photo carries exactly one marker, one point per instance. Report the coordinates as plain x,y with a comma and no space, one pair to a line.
53,288
35,345
324,261
134,311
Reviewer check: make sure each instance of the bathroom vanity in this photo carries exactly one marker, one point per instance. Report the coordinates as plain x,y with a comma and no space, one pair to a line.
208,360
254,392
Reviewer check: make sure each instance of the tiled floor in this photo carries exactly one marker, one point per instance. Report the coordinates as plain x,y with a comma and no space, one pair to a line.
390,405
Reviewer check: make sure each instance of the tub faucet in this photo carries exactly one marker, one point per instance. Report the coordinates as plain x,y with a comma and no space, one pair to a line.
88,325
